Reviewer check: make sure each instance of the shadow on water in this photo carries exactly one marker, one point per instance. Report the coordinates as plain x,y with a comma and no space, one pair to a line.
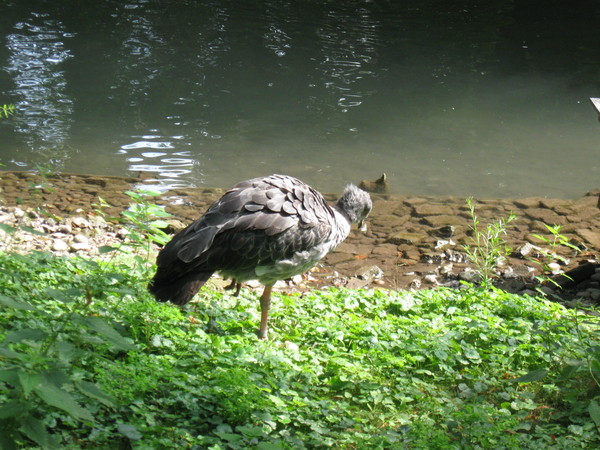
483,98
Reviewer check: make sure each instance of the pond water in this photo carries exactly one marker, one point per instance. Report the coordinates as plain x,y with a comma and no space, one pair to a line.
479,98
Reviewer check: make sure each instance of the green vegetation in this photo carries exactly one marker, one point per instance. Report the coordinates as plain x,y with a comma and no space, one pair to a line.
7,111
488,249
89,360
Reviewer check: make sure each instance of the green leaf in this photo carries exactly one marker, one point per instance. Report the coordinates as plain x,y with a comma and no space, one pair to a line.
8,353
32,231
111,335
229,437
7,228
32,334
35,430
15,304
61,399
129,431
13,409
29,381
7,442
106,249
93,391
594,410
159,224
530,377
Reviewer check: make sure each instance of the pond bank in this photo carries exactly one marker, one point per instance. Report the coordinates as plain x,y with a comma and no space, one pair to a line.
411,242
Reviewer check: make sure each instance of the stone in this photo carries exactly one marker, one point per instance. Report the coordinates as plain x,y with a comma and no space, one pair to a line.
405,238
415,284
592,237
428,209
80,239
526,250
390,250
445,232
430,278
444,243
529,202
546,216
470,276
58,245
79,246
443,220
369,273
78,222
446,269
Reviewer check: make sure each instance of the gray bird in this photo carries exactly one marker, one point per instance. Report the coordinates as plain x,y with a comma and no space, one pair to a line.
264,229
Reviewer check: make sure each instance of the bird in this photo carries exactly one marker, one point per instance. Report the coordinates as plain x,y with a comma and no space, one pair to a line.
267,229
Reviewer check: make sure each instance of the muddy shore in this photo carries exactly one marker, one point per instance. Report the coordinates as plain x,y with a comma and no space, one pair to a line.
411,242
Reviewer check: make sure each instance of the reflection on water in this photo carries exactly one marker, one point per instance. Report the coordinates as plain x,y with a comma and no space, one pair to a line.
477,99
36,51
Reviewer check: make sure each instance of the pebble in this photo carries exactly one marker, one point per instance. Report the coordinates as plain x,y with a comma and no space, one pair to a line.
81,239
470,276
430,278
411,226
58,245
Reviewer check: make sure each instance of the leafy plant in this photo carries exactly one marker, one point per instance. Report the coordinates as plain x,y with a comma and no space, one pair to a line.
144,221
52,329
7,111
469,368
550,255
488,249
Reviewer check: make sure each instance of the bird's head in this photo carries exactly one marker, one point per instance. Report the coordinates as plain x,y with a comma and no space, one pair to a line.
356,204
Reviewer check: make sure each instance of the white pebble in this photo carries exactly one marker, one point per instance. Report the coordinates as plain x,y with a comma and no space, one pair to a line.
59,245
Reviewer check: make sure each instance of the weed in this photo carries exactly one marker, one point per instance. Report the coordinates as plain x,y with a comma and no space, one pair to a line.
488,249
549,256
7,110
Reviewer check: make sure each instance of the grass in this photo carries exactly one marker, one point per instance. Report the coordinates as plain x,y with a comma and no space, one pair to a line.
89,360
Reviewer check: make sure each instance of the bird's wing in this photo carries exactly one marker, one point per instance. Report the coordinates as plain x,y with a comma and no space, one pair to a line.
269,206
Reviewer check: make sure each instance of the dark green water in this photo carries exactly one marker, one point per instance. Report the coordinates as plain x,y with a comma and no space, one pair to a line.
464,98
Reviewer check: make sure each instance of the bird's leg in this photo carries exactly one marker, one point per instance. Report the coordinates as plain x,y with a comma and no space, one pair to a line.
234,284
265,305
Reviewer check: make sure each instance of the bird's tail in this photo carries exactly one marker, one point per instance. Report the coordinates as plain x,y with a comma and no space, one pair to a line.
177,290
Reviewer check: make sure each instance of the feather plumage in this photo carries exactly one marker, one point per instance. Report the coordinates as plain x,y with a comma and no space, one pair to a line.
268,228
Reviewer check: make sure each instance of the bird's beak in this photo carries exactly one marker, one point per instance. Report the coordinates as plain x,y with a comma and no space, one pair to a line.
362,226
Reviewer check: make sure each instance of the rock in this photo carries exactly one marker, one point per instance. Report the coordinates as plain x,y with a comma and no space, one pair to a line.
443,243
415,284
81,239
529,202
445,232
78,222
554,268
526,250
405,238
431,258
522,270
546,216
64,228
443,220
446,269
590,236
58,245
430,278
470,276
356,283
428,209
369,273
76,247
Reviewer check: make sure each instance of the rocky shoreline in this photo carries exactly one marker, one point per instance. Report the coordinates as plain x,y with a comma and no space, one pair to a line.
412,241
